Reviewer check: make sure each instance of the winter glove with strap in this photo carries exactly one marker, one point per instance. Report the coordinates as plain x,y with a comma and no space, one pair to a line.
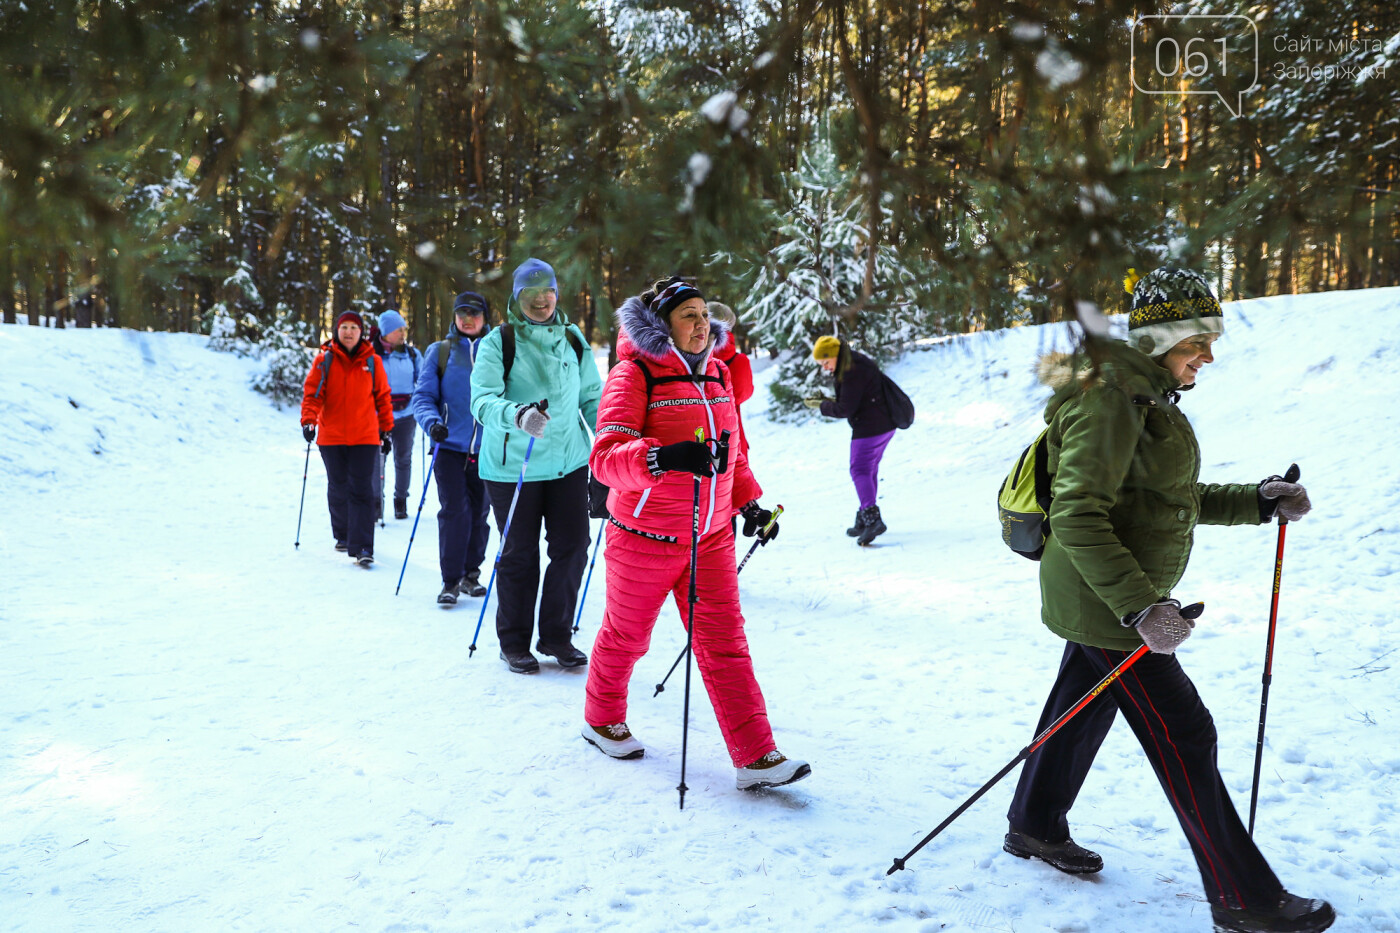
1278,495
682,457
385,444
308,431
531,419
1161,625
438,432
756,521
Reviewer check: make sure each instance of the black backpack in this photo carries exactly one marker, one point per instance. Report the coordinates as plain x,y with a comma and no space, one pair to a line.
899,405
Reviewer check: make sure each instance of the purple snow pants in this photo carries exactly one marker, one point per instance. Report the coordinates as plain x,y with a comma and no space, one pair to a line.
865,465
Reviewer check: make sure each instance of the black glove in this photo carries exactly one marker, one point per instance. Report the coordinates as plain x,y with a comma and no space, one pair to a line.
756,519
308,431
438,432
685,457
385,444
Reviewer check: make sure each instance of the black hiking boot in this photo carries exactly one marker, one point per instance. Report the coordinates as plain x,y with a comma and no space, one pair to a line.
340,545
566,654
401,508
855,530
1293,914
1068,856
364,558
874,526
448,596
520,662
471,584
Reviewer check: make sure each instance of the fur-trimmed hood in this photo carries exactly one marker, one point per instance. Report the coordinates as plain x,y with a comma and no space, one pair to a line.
641,333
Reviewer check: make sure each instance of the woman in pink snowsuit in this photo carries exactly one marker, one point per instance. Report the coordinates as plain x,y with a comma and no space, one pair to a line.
666,386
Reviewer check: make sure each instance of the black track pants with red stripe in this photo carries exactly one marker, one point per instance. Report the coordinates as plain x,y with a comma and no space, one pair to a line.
1175,730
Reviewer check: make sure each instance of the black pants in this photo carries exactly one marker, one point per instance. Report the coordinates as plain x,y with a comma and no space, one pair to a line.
462,518
1175,730
350,493
561,505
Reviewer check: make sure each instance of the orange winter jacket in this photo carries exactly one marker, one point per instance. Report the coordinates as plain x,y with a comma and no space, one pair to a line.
349,400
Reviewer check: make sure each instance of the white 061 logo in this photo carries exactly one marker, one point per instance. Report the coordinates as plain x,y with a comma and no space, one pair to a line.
1194,54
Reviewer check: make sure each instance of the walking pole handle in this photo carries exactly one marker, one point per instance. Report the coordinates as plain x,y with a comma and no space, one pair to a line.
1290,475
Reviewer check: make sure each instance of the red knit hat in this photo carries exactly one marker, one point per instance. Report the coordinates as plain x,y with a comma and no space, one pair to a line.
351,316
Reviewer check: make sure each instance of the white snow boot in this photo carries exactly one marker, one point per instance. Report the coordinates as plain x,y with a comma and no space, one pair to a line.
615,741
772,770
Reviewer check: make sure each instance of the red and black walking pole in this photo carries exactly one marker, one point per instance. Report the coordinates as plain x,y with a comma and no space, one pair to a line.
1190,612
1290,476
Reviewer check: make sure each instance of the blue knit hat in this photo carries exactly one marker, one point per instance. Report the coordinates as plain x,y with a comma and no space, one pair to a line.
532,273
391,321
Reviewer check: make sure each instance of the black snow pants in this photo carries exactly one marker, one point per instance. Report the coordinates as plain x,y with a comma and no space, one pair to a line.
1176,731
350,494
561,506
462,519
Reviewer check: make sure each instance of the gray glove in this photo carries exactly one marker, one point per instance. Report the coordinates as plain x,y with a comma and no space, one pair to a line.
531,419
1161,625
1288,499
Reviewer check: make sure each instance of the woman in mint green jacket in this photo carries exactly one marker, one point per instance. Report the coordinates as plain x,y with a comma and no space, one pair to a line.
1127,499
537,356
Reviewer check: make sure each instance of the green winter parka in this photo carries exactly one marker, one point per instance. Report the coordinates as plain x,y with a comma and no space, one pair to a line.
545,366
1126,499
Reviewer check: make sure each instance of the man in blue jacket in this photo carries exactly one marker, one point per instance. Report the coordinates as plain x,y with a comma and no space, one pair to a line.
442,404
550,360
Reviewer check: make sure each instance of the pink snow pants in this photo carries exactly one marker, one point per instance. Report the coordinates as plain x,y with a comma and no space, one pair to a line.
640,574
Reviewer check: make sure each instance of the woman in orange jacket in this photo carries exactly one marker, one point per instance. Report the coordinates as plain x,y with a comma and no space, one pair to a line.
347,395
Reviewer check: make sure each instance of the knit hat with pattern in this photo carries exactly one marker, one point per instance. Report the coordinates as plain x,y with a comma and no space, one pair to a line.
1170,305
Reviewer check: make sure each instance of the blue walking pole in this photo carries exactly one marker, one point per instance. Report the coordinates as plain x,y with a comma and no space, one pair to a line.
589,578
543,404
414,533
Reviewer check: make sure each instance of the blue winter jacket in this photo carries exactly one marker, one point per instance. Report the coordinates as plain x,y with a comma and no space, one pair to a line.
449,399
546,366
401,366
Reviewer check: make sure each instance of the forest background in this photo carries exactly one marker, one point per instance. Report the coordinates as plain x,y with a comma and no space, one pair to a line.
885,169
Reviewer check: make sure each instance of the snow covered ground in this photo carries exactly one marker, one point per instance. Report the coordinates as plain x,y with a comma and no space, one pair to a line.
203,728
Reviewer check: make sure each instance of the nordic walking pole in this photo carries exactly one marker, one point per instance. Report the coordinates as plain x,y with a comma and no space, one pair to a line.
760,539
414,532
589,578
690,628
382,458
305,467
542,405
776,512
1190,612
1291,476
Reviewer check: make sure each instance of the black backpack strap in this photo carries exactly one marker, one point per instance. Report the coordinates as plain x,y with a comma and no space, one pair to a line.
507,351
576,342
444,350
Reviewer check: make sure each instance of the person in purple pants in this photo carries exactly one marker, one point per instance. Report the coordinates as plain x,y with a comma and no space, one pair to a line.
860,399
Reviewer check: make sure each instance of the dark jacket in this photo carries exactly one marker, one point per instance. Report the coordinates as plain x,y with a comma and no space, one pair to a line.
1126,498
860,395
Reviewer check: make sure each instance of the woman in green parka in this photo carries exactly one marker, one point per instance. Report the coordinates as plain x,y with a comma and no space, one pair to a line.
1126,503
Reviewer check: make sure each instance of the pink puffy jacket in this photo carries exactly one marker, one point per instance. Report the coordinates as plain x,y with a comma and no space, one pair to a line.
630,424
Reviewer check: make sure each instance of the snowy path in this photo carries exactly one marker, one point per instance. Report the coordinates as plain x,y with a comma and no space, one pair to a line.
202,728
